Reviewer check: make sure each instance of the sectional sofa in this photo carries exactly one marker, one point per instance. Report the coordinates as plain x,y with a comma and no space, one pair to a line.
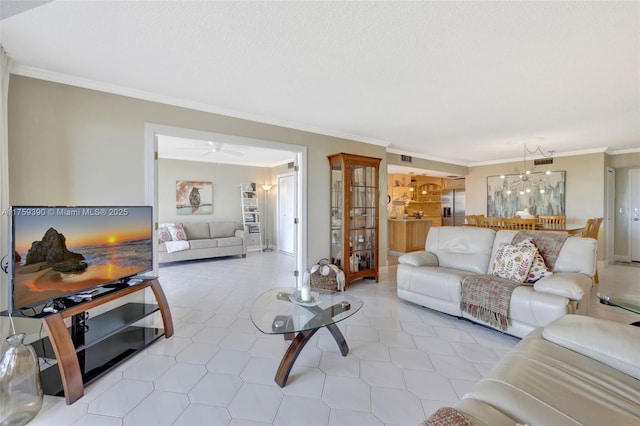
577,370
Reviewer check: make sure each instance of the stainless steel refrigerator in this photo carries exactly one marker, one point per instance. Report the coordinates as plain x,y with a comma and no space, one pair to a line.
453,210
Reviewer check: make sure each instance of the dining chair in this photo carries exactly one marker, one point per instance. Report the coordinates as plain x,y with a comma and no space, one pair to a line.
472,219
591,230
491,222
519,224
551,221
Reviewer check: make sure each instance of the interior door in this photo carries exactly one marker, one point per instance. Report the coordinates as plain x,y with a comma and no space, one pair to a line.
634,203
286,213
609,225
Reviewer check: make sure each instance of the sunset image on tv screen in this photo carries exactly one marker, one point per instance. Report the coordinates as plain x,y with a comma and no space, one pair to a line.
64,250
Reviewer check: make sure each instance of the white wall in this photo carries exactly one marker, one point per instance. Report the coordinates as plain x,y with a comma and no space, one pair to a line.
69,145
75,146
226,180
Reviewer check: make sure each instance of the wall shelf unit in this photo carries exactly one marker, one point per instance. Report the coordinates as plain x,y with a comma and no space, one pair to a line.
251,215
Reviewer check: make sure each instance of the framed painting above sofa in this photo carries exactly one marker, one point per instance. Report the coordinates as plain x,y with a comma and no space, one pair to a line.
194,197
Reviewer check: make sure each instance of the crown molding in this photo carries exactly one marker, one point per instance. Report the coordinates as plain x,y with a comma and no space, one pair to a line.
555,155
623,151
71,80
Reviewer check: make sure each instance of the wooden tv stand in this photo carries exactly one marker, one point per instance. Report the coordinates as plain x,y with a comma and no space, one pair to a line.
93,346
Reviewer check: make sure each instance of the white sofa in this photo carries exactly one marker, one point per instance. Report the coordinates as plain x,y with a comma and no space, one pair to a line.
577,370
206,240
433,277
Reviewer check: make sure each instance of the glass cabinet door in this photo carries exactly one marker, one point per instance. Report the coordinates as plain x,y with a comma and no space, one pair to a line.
336,214
362,217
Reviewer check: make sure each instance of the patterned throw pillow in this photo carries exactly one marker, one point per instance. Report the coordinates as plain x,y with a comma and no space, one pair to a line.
513,261
177,233
163,235
538,267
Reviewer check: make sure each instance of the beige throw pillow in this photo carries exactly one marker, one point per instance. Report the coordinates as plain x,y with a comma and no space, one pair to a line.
163,235
513,262
177,233
538,268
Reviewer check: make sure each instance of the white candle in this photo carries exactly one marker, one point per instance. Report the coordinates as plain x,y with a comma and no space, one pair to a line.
305,294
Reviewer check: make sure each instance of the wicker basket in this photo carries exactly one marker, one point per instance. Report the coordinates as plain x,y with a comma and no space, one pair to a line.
326,276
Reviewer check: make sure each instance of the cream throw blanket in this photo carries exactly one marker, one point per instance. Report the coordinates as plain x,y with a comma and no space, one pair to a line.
173,246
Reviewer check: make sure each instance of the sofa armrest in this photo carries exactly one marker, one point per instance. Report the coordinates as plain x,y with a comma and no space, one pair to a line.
481,413
419,258
572,285
614,344
242,233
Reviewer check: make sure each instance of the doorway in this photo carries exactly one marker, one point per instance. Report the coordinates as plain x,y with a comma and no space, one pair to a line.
634,215
152,131
609,225
286,213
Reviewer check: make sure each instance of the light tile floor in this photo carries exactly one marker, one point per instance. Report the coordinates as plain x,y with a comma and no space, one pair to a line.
405,361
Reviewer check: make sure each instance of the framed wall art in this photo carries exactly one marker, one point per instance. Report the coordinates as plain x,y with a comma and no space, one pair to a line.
194,197
541,193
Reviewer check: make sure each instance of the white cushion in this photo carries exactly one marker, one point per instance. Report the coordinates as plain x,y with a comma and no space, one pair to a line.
222,229
461,247
419,258
614,344
567,284
196,230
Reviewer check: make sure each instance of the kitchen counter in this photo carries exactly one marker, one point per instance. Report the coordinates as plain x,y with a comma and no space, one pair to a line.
406,235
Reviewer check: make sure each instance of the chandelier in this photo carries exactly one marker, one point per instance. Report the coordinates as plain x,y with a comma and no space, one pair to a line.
527,181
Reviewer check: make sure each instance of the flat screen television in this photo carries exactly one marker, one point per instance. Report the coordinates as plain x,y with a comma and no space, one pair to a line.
62,251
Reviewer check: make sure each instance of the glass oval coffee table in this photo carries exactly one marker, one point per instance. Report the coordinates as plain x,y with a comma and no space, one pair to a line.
627,301
279,311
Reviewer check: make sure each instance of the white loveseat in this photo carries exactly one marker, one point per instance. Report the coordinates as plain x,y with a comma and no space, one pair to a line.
577,370
201,240
433,277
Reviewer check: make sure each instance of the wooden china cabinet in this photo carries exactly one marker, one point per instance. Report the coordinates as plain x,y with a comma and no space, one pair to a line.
354,215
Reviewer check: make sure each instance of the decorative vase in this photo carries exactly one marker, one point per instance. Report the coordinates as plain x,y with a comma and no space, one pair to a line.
20,390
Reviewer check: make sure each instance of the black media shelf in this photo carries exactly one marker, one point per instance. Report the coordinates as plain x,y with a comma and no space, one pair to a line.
92,346
101,343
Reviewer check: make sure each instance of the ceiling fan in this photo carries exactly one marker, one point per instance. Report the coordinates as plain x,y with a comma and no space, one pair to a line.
213,148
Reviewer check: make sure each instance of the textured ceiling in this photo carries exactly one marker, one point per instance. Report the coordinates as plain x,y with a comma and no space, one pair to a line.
462,82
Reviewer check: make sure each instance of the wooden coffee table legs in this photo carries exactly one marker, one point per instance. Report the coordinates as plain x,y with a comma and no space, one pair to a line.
301,340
